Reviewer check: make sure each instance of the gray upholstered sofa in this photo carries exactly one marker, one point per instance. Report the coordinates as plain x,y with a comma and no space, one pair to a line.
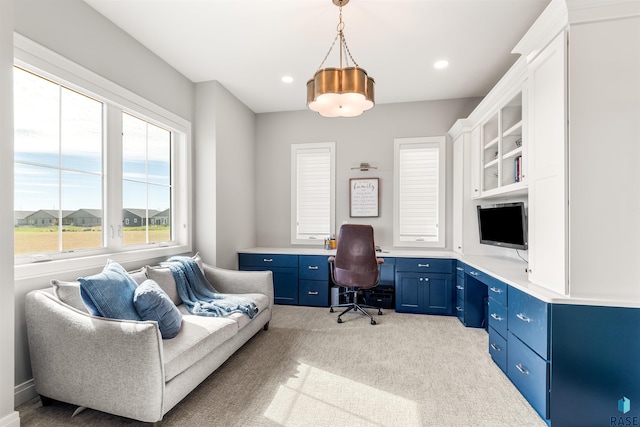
124,367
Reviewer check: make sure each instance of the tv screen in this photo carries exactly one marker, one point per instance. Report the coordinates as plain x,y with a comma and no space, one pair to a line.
503,225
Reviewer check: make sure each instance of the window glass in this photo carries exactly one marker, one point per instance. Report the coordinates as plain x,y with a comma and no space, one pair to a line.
58,167
146,187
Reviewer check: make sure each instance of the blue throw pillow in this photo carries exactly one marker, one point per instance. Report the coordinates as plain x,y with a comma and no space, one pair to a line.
110,293
153,303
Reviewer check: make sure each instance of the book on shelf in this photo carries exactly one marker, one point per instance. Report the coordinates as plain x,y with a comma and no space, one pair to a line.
517,169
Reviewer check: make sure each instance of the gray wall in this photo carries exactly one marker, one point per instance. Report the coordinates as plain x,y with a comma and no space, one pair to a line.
74,30
224,175
79,33
367,138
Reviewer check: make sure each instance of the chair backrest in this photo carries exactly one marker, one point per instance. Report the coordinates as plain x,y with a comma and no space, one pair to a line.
355,261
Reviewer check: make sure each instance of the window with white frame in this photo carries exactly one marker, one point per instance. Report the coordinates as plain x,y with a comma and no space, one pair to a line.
312,192
419,192
91,158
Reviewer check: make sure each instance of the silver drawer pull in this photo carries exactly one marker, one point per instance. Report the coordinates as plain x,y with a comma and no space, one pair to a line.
495,347
496,317
474,273
267,260
460,288
523,317
459,308
522,369
423,265
313,267
313,292
459,268
496,290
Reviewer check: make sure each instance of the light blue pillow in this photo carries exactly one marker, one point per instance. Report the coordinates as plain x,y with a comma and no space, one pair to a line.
110,293
152,303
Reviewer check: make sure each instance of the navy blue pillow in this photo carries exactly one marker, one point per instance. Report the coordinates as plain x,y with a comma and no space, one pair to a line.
152,303
110,293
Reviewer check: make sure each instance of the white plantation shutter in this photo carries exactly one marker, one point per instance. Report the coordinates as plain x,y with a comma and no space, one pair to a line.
312,190
419,192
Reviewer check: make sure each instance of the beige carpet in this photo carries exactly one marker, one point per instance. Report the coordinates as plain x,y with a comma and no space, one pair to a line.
308,370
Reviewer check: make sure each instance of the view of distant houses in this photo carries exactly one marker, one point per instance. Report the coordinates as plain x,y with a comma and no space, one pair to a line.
89,218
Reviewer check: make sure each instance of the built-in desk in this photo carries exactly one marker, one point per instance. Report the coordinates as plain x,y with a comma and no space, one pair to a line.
574,360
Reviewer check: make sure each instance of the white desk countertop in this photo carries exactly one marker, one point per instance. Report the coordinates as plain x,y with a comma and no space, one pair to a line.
509,270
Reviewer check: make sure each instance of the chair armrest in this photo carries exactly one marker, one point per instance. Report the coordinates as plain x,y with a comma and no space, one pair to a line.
240,282
110,365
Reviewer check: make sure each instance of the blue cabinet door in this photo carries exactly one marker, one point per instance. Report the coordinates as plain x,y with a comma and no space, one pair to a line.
424,293
439,294
285,284
409,292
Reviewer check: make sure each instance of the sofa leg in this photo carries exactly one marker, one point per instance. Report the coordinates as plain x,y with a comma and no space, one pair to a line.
266,326
46,401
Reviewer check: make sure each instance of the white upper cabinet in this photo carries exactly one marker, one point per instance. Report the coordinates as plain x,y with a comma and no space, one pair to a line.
547,163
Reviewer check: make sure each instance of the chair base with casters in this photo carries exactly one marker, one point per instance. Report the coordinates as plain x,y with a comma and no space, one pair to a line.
355,306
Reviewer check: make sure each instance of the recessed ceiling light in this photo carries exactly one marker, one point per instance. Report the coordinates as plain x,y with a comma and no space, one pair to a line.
439,65
287,79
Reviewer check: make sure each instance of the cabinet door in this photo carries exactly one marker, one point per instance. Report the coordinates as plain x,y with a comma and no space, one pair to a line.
409,292
547,219
438,294
424,293
458,192
476,142
285,283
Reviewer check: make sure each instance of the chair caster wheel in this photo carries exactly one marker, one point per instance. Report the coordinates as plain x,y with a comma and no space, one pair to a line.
379,313
331,310
373,322
339,320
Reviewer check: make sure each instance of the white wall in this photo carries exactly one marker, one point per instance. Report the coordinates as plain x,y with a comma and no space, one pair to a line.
8,417
224,175
367,138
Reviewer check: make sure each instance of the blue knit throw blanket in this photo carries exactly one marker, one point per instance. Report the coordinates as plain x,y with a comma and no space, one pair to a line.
199,296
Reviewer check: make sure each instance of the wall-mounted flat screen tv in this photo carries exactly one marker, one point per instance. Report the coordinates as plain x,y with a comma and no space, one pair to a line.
503,225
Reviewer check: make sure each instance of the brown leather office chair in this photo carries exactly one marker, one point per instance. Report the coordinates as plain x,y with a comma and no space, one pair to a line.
355,266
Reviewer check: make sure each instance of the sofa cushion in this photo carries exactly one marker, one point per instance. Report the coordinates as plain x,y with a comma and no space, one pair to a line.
261,300
152,303
69,293
198,337
164,278
110,293
139,275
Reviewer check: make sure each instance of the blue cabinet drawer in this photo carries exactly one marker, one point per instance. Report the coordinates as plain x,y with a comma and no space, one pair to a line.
459,291
313,293
459,309
529,373
267,260
496,289
498,348
460,269
427,265
529,320
313,267
498,317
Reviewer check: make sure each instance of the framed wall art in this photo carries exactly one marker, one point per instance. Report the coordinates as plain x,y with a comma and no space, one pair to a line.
364,196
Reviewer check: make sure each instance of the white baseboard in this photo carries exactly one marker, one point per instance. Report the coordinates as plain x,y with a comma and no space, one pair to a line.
11,420
24,392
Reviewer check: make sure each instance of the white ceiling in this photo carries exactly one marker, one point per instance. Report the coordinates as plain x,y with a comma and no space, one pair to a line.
248,45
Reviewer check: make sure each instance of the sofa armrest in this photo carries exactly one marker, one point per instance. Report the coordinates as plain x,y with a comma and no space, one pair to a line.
114,366
240,282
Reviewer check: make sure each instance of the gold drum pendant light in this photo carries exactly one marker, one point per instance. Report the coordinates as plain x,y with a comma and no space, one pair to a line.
340,92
